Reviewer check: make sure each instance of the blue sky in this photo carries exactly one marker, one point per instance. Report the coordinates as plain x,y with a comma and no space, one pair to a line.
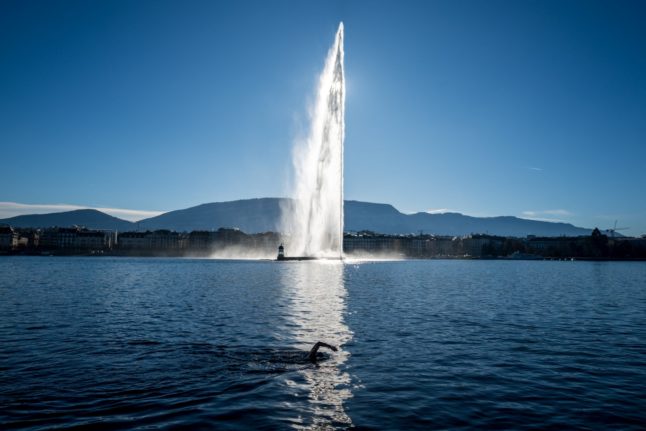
529,108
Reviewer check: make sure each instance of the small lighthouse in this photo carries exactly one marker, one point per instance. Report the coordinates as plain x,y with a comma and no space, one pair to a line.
281,255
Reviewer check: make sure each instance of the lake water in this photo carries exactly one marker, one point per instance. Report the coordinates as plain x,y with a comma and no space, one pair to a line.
115,343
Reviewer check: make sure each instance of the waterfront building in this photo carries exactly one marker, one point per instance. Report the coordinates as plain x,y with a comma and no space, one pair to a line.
132,241
72,239
165,240
439,246
28,239
90,240
472,245
8,238
201,241
58,238
369,242
265,242
478,245
559,246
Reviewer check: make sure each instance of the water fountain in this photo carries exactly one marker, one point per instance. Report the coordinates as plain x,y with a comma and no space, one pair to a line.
313,220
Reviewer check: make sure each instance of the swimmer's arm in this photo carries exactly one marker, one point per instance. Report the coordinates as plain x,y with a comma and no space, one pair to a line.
315,349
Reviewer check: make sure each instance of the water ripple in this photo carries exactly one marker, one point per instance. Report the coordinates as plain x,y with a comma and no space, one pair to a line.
184,344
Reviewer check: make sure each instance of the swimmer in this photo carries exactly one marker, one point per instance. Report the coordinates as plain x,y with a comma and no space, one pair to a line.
315,349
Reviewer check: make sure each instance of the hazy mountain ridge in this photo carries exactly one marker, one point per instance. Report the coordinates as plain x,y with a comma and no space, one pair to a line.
90,218
249,215
362,215
263,214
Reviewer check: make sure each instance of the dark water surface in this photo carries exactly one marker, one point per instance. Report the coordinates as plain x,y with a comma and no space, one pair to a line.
116,343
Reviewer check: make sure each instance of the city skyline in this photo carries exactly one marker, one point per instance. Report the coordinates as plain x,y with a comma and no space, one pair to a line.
534,110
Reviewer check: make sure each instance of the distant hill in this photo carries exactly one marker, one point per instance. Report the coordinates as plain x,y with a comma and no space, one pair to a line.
89,218
263,215
249,215
386,219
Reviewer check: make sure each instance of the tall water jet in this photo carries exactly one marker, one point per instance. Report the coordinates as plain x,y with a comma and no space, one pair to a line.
313,219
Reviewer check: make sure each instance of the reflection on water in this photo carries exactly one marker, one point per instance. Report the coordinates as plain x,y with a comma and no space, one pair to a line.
317,298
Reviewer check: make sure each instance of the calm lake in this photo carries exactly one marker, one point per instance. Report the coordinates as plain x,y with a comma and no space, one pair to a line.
126,343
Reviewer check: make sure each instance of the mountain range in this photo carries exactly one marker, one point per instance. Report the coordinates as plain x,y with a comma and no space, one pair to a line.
92,219
262,215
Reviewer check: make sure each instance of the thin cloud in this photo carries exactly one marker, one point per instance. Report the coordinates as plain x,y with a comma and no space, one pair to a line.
533,168
551,220
559,212
439,211
12,209
547,215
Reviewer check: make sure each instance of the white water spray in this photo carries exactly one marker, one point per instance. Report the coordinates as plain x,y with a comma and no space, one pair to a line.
313,220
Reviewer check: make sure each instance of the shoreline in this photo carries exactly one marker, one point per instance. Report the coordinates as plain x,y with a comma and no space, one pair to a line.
301,259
